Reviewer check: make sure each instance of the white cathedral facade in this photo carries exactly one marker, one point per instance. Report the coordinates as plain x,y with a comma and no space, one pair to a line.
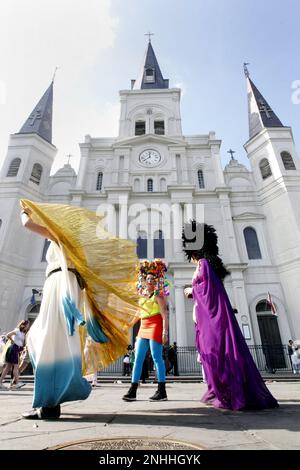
150,167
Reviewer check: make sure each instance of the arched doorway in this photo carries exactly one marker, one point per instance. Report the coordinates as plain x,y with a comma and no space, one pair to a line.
32,312
272,347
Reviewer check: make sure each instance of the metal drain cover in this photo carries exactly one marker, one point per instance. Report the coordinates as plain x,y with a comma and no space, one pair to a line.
129,443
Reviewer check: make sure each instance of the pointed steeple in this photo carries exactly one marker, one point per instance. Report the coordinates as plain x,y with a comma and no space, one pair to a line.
150,75
40,120
260,113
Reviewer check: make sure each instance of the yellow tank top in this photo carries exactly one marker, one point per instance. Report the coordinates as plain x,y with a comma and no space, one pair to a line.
150,305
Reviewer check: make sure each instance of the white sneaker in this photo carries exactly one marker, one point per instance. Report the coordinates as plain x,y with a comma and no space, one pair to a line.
2,387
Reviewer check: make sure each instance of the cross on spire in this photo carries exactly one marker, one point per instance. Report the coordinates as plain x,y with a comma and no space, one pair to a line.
149,34
264,108
231,153
54,74
246,71
37,114
68,157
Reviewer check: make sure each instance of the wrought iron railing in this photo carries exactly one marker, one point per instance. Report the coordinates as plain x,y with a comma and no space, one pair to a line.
268,358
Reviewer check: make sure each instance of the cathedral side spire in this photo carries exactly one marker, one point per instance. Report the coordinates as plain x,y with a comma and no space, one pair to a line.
260,113
40,120
150,75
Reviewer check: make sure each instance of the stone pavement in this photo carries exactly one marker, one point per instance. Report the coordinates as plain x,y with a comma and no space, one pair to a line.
182,418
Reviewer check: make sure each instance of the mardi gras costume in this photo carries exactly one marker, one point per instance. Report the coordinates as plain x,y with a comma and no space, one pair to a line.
89,303
151,328
231,374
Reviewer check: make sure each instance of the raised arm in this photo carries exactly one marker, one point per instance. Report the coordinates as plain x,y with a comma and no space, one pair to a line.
36,228
165,316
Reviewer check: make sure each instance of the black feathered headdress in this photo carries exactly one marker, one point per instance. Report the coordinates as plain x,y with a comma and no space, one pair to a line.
201,241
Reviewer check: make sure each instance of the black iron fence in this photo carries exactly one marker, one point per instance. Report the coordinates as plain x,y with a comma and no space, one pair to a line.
268,358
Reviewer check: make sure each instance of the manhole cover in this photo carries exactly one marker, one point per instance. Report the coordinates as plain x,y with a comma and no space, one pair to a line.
130,443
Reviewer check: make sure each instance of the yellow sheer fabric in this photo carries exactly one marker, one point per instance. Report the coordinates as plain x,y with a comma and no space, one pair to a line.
107,264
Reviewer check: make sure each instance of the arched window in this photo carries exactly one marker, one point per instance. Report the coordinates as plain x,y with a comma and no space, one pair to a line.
136,185
149,75
252,244
265,168
45,249
14,167
99,181
141,249
140,128
150,185
159,127
36,173
288,161
200,179
163,184
159,244
263,306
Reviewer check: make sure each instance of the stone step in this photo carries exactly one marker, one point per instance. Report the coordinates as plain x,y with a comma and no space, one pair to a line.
170,379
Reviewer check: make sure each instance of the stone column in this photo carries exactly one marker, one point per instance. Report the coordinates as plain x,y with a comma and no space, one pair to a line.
177,228
123,222
181,331
111,219
84,148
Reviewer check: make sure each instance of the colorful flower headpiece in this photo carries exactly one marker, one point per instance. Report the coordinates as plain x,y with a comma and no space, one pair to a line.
158,269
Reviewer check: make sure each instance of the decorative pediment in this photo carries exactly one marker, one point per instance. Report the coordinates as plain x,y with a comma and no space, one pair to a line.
248,216
148,138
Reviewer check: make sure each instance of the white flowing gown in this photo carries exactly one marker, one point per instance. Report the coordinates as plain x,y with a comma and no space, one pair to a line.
55,354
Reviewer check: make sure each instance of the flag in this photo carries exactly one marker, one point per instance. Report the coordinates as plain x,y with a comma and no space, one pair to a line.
271,303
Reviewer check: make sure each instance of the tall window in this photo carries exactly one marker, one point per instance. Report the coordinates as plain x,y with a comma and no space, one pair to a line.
252,244
163,184
149,75
99,181
36,173
14,167
159,244
140,128
141,249
136,185
178,168
265,168
45,249
200,179
287,161
0,223
150,185
159,127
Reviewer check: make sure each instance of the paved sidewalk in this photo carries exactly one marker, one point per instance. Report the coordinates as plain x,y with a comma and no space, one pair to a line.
183,418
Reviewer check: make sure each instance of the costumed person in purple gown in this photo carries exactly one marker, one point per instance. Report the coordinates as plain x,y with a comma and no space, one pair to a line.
233,380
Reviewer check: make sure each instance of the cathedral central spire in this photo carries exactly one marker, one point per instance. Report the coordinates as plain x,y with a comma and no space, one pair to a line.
150,75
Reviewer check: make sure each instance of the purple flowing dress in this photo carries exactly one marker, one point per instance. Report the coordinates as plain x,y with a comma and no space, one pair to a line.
231,374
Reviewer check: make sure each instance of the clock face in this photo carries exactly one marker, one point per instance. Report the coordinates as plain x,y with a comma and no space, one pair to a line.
150,158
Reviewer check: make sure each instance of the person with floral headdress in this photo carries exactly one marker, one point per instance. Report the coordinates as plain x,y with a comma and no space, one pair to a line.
233,380
153,289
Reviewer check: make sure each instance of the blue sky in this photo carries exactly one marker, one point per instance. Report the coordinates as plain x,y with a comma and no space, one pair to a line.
99,45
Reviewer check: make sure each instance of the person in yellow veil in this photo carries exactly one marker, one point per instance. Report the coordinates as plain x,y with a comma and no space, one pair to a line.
89,303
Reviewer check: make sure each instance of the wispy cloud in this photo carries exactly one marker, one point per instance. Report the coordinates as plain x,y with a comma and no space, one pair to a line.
38,36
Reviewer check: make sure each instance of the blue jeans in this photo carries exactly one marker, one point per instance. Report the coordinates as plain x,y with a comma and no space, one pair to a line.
141,348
